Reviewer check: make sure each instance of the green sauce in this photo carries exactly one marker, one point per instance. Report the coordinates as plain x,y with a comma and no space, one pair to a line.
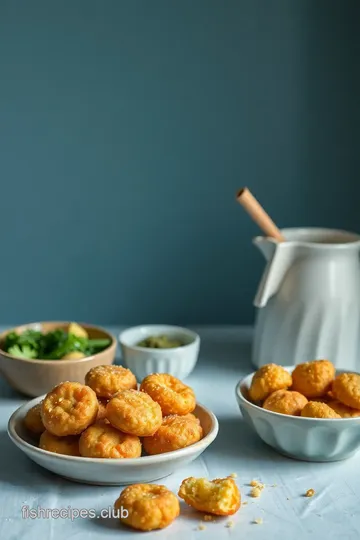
159,342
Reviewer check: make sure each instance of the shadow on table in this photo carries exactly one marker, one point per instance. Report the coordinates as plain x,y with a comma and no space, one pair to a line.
228,354
236,439
16,469
108,524
8,393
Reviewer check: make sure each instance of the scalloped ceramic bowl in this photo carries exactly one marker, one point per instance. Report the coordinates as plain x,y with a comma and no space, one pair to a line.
178,361
309,439
110,472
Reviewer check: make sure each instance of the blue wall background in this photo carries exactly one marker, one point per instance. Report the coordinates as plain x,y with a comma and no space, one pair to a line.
127,126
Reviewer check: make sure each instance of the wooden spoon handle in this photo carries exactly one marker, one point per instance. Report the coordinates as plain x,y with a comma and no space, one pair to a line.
258,214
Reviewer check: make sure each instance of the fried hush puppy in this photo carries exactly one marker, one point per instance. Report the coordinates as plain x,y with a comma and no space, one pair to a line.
104,441
106,381
267,380
346,388
175,432
149,506
134,412
315,409
285,402
68,446
69,409
33,420
313,379
220,497
101,415
173,396
343,410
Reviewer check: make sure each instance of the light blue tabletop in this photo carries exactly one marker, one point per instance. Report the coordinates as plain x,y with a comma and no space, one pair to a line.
334,511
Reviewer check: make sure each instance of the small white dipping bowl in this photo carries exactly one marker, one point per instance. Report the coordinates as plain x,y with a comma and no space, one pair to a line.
178,361
308,439
110,472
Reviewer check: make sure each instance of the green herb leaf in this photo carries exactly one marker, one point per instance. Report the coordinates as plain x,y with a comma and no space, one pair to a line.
22,352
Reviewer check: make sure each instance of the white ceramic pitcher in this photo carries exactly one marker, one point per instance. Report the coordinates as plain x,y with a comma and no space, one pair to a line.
308,299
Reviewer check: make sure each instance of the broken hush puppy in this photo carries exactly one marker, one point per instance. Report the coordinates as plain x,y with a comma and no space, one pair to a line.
220,497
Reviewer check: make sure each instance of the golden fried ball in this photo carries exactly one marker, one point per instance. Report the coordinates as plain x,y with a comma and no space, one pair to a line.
134,412
285,402
106,381
149,506
68,446
267,380
69,409
343,410
103,441
346,388
33,420
101,416
175,432
220,497
173,396
313,379
316,409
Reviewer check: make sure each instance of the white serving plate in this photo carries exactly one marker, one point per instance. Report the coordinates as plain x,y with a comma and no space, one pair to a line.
110,472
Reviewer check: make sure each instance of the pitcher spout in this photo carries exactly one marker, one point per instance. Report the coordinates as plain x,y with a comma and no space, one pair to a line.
266,245
279,257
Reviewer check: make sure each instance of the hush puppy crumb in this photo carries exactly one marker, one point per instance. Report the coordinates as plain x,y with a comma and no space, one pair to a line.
258,521
230,524
310,493
267,380
255,492
256,483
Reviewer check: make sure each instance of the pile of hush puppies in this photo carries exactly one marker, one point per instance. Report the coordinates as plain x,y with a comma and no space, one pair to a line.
108,417
312,390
